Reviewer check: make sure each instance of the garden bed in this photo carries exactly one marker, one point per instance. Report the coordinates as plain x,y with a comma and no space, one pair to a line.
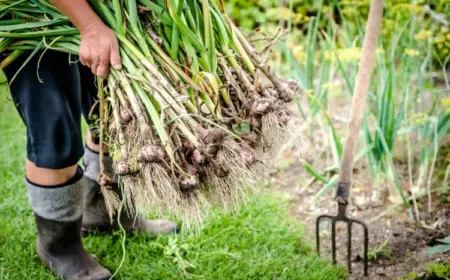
396,243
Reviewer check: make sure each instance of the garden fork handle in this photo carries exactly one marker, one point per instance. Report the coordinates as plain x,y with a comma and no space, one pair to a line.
359,99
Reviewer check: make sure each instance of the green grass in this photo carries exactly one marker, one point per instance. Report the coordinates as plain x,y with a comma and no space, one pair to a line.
259,242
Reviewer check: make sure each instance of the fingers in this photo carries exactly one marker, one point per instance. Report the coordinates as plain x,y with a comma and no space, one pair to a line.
99,52
112,57
101,65
102,70
115,56
85,58
94,68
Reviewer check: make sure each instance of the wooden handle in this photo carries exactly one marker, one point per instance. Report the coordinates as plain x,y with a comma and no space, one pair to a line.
361,89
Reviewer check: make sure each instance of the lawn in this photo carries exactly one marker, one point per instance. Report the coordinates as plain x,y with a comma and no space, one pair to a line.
260,242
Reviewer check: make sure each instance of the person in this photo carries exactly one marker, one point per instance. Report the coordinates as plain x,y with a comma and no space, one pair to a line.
51,93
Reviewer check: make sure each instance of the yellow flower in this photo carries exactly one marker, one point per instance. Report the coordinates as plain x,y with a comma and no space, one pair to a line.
285,13
276,55
328,55
379,51
349,12
419,118
412,52
344,55
414,9
446,104
299,53
440,38
326,86
422,35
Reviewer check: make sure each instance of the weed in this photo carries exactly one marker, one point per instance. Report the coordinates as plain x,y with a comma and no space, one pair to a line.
383,250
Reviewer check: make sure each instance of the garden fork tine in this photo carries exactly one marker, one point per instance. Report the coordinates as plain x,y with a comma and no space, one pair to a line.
342,217
354,125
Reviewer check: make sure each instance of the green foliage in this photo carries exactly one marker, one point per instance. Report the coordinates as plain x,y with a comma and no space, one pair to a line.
435,271
409,275
242,128
441,248
382,250
430,14
440,271
252,14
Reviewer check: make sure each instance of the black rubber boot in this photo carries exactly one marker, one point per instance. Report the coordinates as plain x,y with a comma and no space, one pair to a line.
58,214
59,247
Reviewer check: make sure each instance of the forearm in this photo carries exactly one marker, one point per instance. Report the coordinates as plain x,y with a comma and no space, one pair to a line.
79,12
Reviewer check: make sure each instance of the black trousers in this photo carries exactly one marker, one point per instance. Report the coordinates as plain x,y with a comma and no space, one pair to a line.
51,95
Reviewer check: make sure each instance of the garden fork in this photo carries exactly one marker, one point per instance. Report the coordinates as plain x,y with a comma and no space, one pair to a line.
356,115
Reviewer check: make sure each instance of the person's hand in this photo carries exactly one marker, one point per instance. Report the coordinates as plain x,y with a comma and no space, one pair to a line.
99,49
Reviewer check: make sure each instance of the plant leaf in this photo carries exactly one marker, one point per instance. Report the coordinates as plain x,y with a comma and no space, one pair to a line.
437,249
445,240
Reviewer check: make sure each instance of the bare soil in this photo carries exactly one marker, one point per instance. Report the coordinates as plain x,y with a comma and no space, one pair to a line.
396,242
